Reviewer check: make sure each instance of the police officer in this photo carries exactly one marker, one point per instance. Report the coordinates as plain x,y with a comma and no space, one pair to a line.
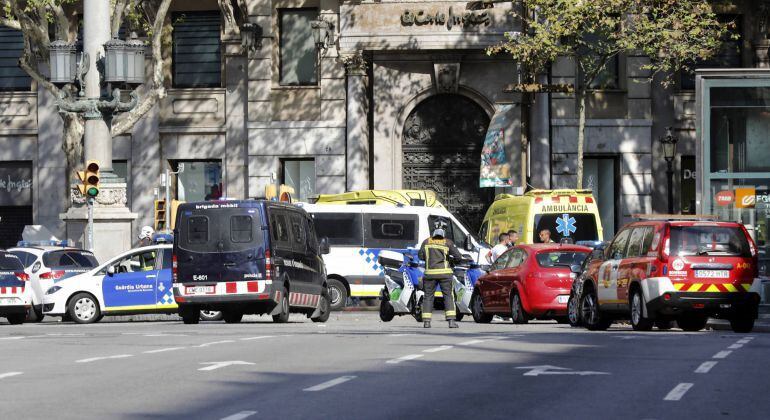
436,251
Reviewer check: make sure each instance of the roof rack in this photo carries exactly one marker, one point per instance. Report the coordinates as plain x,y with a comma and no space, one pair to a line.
689,217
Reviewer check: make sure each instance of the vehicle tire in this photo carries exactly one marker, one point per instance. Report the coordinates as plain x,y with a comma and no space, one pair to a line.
638,321
232,317
692,322
742,322
573,311
326,310
83,308
417,312
16,319
590,313
664,324
562,320
35,314
459,316
282,317
386,309
338,294
518,315
190,314
477,310
206,315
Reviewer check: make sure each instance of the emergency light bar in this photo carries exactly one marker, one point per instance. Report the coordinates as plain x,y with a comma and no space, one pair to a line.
64,243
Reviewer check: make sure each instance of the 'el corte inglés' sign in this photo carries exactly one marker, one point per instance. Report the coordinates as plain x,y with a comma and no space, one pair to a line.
450,19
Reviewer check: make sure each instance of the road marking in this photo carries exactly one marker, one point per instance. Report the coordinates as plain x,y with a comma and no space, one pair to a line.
722,354
215,342
470,343
12,338
435,349
744,341
256,338
705,367
678,392
735,346
94,359
556,370
165,335
405,358
162,350
400,335
217,365
329,384
66,334
9,374
240,416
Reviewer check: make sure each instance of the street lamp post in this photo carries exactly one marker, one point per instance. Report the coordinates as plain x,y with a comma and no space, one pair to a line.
669,153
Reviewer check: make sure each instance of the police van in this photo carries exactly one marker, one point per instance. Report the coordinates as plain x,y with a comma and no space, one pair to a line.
565,214
357,233
248,257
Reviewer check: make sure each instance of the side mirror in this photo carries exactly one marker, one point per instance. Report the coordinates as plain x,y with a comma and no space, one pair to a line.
469,244
324,245
110,270
575,268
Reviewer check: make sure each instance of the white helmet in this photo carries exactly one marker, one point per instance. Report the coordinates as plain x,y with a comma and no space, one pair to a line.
146,233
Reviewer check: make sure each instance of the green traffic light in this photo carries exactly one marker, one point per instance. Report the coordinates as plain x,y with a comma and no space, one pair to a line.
92,192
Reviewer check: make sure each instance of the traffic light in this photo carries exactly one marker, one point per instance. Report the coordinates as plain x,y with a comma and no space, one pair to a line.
89,180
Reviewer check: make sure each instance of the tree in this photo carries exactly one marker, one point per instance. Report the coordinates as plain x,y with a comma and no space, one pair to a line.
674,34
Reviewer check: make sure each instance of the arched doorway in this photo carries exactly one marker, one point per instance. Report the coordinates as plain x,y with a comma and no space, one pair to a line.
441,146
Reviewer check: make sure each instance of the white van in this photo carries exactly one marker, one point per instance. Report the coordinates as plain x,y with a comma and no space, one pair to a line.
357,234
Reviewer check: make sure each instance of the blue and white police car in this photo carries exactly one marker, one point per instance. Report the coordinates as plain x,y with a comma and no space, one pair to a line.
135,282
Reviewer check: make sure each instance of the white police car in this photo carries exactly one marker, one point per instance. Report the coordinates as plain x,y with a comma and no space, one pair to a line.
137,281
15,296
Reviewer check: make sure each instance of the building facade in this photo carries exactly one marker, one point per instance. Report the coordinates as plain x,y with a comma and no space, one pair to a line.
400,98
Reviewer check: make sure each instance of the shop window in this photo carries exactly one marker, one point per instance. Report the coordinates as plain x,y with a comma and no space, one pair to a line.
740,121
300,175
199,180
196,50
12,77
298,56
728,56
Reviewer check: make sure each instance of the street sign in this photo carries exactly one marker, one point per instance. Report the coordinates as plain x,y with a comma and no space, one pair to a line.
218,365
555,370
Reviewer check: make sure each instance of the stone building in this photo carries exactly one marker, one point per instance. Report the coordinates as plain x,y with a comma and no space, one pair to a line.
401,98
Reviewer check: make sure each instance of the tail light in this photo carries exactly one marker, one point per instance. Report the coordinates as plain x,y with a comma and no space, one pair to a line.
22,276
589,200
556,199
268,266
52,275
174,268
666,247
538,200
573,199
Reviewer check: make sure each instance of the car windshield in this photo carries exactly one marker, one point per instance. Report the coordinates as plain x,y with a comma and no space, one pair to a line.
68,258
709,240
9,262
560,258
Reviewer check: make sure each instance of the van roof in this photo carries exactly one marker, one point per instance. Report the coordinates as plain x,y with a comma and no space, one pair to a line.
372,208
550,193
206,205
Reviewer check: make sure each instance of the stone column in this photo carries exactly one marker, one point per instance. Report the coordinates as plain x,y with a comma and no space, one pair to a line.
357,142
96,32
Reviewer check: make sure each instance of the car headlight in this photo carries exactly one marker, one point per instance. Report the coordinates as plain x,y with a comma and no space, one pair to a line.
53,290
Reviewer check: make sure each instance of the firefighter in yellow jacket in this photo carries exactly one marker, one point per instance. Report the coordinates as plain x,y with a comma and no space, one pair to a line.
436,252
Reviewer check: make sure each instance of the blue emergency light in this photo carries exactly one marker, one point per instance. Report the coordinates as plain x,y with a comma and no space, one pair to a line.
64,243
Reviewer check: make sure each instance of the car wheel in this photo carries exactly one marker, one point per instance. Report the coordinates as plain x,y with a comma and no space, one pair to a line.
663,324
638,321
16,319
282,316
518,315
590,313
692,322
232,317
35,314
325,308
573,311
742,322
338,294
477,310
386,309
190,314
206,315
84,309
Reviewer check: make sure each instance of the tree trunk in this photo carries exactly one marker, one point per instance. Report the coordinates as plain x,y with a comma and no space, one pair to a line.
72,144
581,96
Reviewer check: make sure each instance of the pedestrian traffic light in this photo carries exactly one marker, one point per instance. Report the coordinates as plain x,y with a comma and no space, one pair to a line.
89,180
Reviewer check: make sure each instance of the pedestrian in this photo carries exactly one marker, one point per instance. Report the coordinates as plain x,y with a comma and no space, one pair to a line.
145,236
545,236
499,249
436,252
513,237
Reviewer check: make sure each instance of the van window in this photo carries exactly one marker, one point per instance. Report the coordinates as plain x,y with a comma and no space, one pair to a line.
344,229
618,247
390,231
299,240
220,230
709,240
198,230
312,237
240,229
576,226
451,229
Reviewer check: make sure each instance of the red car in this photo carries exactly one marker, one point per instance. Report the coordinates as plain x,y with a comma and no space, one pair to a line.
528,281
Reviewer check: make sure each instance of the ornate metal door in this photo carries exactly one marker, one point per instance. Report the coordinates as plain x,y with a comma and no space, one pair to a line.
442,143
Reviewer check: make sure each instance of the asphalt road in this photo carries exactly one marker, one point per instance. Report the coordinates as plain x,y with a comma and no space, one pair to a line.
356,367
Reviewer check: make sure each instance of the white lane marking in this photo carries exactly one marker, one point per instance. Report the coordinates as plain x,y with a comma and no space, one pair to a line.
65,334
256,338
435,349
705,367
678,392
165,335
471,342
12,338
215,342
329,384
735,346
94,359
400,335
240,416
405,358
722,354
556,370
744,341
217,365
162,350
9,374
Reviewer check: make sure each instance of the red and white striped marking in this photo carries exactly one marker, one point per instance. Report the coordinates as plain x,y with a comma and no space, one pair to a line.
227,288
12,290
303,299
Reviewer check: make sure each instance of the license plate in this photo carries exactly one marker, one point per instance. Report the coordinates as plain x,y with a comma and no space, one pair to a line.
8,301
712,274
562,298
199,290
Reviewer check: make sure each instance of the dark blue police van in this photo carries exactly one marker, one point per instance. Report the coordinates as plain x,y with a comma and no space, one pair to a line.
248,257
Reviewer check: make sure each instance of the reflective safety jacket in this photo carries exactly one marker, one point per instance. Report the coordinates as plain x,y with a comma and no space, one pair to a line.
436,252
